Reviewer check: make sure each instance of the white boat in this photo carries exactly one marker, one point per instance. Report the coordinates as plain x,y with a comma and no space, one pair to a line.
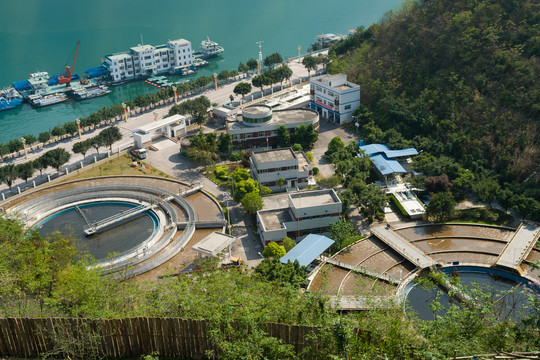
91,92
208,49
40,101
325,40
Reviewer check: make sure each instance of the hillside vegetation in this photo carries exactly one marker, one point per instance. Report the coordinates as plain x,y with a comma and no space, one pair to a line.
458,80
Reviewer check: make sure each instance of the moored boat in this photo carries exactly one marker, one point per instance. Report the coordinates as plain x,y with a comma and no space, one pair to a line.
9,98
41,101
208,49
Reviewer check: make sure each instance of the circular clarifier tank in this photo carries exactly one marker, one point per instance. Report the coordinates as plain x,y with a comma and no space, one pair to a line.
495,281
120,238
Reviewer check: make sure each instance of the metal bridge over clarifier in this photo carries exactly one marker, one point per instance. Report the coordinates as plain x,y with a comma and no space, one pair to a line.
116,219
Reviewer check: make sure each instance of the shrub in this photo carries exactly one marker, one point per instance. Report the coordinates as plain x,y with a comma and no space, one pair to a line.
315,170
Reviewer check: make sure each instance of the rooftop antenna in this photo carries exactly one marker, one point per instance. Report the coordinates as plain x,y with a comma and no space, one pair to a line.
142,41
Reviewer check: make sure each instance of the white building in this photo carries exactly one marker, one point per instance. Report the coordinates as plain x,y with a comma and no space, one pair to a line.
268,166
171,127
146,60
334,98
309,212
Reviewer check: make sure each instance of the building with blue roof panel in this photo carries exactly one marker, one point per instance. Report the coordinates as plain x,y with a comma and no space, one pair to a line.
379,149
387,167
308,249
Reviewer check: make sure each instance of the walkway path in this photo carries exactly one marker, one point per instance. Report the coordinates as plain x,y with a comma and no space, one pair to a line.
403,247
361,269
364,303
519,247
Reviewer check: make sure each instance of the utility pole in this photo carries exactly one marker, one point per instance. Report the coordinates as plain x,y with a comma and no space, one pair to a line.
260,61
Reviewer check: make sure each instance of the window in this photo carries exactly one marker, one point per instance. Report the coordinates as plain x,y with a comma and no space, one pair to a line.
330,93
261,133
347,107
318,99
147,57
318,88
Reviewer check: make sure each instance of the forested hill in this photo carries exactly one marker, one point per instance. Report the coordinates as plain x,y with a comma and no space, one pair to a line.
456,78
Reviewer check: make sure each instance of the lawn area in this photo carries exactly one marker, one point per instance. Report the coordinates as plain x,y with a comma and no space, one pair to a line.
482,215
121,165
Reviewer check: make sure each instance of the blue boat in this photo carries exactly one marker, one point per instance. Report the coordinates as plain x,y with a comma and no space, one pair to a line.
9,98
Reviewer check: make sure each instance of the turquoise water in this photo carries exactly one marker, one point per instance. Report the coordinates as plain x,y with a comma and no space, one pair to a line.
39,34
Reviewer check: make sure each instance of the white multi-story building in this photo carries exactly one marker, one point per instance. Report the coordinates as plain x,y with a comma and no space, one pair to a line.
334,98
268,166
309,212
146,60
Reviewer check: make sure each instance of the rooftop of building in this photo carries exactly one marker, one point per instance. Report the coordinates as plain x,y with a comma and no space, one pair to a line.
273,219
139,48
341,79
213,243
119,56
257,109
180,41
273,155
313,198
410,203
308,249
387,166
279,117
161,123
374,149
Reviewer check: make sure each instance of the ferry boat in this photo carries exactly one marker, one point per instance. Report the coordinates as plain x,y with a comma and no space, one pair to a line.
46,100
9,98
208,49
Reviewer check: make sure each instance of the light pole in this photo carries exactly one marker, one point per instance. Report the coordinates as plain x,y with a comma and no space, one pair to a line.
175,95
155,116
24,146
299,48
266,143
215,81
78,121
125,111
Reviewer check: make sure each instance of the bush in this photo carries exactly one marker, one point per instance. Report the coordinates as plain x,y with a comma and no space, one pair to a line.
221,172
315,170
394,203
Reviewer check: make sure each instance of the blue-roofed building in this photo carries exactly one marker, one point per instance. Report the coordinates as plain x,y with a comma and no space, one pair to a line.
308,249
388,162
386,166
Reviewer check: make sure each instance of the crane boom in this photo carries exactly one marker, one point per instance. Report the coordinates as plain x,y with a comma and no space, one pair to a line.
66,79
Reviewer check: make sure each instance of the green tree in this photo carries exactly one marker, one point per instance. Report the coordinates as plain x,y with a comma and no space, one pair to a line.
283,136
305,135
110,135
235,157
4,150
71,127
30,139
15,145
97,142
225,143
243,68
281,182
296,147
273,59
82,147
441,206
288,243
44,136
252,64
25,170
57,157
58,130
242,89
343,233
252,202
373,199
41,164
487,190
260,81
273,250
8,174
290,274
309,156
310,63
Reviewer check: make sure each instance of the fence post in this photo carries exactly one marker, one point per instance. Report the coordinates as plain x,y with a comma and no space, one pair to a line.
95,159
82,164
3,197
67,171
48,178
19,189
34,182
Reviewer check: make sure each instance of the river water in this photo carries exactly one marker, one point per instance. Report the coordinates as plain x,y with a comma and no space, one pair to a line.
42,35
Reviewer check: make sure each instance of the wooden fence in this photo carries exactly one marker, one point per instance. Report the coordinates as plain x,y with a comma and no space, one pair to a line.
29,337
